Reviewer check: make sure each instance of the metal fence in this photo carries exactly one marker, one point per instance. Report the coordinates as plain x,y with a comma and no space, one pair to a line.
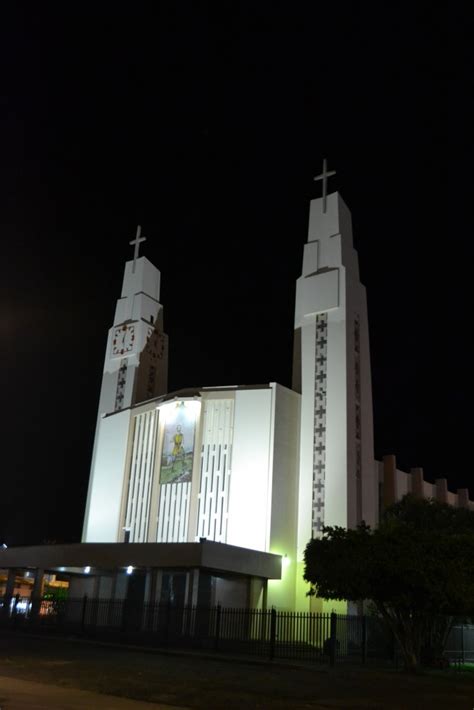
266,633
460,644
325,638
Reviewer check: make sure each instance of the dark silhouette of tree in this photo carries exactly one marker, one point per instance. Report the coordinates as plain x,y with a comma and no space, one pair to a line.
416,567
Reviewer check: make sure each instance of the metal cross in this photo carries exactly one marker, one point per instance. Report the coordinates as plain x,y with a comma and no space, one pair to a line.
136,242
324,177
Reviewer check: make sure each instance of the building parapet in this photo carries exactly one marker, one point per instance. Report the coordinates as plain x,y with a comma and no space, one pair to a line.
394,484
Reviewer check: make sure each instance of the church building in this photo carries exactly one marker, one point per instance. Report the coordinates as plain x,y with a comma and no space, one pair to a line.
210,495
261,467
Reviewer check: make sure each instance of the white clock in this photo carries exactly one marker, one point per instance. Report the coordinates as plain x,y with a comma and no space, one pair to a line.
123,339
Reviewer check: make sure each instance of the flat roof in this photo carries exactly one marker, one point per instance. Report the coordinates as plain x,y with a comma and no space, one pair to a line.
109,556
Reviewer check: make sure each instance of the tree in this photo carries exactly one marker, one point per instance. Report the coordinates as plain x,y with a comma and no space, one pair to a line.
417,568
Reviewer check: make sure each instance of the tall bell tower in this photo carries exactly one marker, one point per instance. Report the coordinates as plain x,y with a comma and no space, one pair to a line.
331,369
136,356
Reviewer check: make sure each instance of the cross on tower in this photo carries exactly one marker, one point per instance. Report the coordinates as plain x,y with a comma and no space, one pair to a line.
136,242
324,177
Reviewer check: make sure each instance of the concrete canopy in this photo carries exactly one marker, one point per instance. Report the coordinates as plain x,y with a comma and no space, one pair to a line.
111,556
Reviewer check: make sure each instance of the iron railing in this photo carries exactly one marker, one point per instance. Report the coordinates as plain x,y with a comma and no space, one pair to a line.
266,633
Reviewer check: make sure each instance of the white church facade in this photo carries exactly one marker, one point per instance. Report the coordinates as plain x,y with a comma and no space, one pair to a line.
210,495
263,467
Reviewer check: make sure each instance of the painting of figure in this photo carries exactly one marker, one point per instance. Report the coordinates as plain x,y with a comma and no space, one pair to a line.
178,445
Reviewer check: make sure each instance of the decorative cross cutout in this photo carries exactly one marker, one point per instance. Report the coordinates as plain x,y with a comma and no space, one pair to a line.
319,486
136,242
319,505
320,448
324,178
319,467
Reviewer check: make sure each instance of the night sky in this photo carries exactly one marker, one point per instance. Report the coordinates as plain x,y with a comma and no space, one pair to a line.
205,123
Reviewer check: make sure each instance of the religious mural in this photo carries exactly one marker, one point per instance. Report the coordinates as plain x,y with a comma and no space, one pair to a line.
178,444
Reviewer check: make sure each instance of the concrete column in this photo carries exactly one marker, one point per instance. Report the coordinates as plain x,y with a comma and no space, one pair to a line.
9,591
265,595
37,593
417,482
256,592
194,587
389,480
463,497
10,586
441,490
154,580
188,589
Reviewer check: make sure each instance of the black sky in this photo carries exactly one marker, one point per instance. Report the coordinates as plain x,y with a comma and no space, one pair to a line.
206,122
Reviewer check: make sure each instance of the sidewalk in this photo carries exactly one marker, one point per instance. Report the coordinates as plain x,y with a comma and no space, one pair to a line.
18,694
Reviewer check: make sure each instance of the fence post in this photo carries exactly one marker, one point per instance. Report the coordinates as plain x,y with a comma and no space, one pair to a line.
83,615
218,626
167,623
332,645
462,642
393,649
364,638
124,626
273,625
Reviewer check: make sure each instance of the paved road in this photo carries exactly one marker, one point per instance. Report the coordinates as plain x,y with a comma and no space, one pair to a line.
18,694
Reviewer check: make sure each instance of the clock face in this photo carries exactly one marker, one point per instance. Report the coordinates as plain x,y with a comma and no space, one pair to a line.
156,343
123,340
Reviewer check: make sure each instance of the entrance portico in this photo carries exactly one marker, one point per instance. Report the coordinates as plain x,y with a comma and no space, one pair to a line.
205,573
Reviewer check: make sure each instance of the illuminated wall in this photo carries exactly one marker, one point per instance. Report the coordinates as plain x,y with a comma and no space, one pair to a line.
215,468
108,470
221,465
142,465
250,488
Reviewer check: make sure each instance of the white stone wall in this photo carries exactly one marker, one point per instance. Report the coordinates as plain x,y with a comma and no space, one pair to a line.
403,484
139,487
250,484
216,447
284,494
102,518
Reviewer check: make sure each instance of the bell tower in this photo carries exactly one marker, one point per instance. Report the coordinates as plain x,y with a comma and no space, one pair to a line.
331,369
136,357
